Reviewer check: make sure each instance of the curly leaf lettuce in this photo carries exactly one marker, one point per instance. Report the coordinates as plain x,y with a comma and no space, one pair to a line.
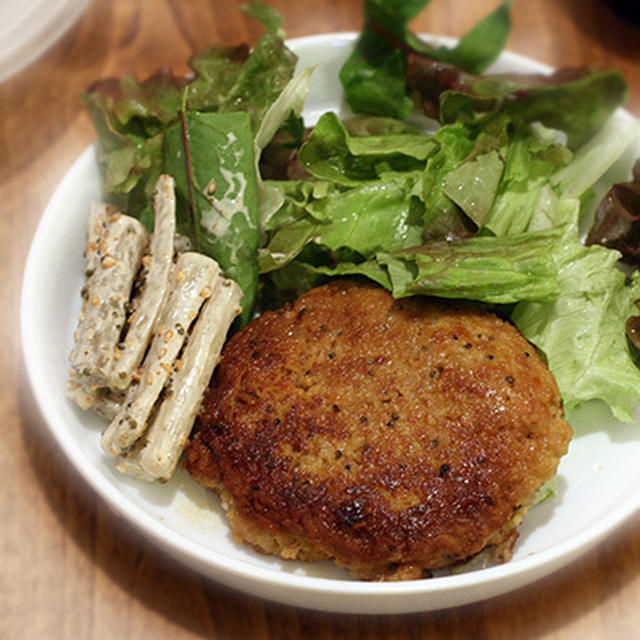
576,101
131,116
479,48
582,332
332,153
493,270
375,215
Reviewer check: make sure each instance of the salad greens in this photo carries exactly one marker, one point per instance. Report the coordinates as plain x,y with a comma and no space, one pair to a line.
485,203
392,71
220,191
582,332
499,271
193,128
578,106
374,75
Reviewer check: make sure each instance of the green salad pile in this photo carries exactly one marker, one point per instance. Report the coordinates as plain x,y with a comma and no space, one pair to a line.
448,181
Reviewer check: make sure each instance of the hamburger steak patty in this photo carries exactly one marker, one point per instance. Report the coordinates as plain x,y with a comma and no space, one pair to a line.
393,436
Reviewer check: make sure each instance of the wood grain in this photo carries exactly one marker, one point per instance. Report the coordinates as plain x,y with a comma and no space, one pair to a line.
70,568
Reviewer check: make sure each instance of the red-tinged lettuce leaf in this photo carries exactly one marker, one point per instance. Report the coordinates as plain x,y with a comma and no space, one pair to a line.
428,79
632,328
131,116
577,101
129,163
390,64
279,159
373,77
153,103
139,108
578,106
617,219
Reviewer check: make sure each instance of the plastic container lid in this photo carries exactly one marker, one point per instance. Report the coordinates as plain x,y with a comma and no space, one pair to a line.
29,27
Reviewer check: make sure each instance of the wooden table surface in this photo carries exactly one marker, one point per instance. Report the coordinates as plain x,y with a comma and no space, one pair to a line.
68,567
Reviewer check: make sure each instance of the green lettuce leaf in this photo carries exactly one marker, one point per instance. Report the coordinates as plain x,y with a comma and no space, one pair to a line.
267,16
393,16
332,153
546,491
211,157
582,332
373,76
216,69
491,270
577,102
263,76
297,277
131,116
442,217
129,131
478,49
285,111
594,158
473,185
529,164
494,270
377,193
375,215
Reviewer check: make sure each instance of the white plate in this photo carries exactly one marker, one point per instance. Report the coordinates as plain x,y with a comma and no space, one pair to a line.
29,27
597,483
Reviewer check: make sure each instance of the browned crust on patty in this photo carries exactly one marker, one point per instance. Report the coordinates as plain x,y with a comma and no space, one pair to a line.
395,437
